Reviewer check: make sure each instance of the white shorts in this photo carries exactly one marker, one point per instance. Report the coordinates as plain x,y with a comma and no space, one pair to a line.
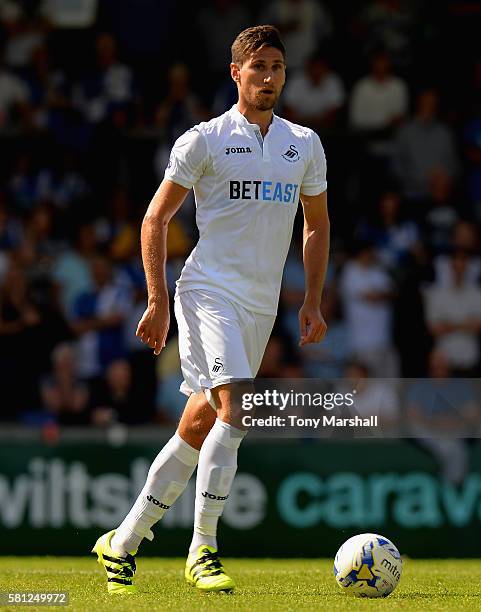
219,341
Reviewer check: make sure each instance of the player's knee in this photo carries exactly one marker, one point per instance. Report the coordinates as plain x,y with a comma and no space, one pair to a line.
196,421
200,426
230,401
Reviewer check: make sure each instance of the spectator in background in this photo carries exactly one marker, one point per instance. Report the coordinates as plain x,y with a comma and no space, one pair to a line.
453,315
117,228
11,231
10,12
180,108
475,85
170,403
314,95
98,320
65,14
4,261
68,187
107,99
395,239
58,182
39,246
379,100
378,104
114,399
367,293
19,318
53,112
48,89
441,214
72,268
15,108
178,248
292,288
71,30
218,23
303,24
27,184
390,24
424,145
441,412
63,394
328,359
29,317
280,359
225,96
373,397
472,151
107,94
464,238
126,253
24,35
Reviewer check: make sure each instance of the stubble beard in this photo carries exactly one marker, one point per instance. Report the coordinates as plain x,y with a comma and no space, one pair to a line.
261,103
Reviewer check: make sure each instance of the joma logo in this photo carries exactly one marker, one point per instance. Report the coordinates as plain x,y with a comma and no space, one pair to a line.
156,502
212,496
229,150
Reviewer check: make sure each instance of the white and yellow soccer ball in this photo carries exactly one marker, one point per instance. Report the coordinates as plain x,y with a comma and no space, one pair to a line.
368,565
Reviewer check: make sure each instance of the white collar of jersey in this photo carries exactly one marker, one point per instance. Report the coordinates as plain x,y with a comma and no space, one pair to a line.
241,120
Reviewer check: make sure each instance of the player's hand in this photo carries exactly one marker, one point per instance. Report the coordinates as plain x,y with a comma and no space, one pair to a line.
311,323
154,325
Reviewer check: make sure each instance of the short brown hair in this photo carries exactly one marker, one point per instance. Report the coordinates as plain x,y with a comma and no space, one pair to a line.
252,39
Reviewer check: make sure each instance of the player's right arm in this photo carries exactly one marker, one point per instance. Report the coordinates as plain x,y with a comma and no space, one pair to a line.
154,324
186,166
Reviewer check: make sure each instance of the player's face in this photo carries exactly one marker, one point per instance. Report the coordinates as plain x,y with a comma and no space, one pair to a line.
261,78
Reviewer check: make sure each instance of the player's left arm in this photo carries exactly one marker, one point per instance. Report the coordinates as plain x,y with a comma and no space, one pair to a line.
315,256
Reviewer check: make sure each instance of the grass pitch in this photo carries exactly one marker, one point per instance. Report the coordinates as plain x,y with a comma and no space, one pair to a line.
267,584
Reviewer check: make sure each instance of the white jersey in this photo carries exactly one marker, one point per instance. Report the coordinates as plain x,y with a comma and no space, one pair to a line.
246,191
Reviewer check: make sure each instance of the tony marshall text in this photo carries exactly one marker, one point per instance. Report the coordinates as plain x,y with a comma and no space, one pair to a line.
313,423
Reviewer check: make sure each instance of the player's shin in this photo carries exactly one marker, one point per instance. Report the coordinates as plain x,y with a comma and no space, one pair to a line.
215,474
167,478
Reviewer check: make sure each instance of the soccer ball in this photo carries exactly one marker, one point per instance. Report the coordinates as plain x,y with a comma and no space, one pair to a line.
368,565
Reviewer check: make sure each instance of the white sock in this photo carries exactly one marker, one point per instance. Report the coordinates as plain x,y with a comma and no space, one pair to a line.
215,474
167,478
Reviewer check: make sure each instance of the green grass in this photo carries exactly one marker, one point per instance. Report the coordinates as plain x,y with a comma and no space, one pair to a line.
280,584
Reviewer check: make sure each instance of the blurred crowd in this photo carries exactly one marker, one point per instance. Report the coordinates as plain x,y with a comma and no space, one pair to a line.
93,94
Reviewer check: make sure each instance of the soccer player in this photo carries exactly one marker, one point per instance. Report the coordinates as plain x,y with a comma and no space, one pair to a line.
248,169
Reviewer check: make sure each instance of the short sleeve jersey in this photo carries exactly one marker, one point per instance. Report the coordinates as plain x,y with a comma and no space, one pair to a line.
247,191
